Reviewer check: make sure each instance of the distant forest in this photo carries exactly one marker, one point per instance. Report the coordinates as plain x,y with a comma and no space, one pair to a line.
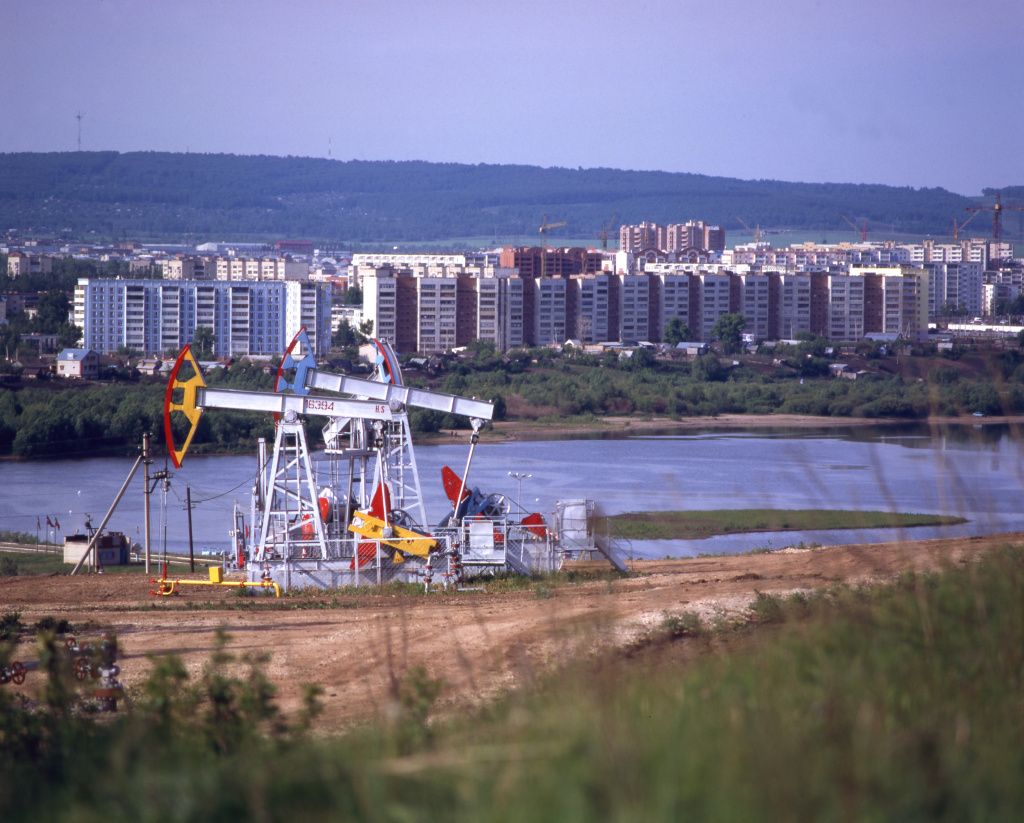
155,195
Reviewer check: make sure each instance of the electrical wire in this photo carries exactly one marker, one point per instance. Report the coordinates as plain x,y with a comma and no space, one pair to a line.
249,480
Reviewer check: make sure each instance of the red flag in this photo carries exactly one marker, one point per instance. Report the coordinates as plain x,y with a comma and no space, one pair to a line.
56,523
49,522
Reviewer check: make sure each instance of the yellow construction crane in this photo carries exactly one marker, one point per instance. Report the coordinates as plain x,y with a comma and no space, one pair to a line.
755,231
862,229
959,227
546,227
606,230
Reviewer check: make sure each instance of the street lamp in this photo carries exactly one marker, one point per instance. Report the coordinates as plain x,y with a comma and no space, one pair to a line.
519,477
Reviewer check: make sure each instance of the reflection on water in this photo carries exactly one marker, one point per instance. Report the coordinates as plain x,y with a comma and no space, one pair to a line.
966,471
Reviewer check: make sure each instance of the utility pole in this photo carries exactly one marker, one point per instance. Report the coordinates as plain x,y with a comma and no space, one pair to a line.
188,505
145,490
79,117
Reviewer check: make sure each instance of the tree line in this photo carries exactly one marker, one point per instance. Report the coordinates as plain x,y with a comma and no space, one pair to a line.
539,384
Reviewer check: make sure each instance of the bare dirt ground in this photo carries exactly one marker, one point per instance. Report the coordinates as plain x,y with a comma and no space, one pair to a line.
355,645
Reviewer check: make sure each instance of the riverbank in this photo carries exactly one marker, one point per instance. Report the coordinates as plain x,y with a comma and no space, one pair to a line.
618,426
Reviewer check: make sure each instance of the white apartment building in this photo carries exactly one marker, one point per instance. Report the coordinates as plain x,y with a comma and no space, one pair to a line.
794,305
845,307
954,285
754,304
157,316
713,301
634,307
499,309
673,301
436,319
404,261
549,299
591,296
380,301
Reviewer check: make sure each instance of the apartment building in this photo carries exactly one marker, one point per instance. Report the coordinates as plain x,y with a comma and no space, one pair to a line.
259,268
694,234
157,316
670,299
404,261
539,261
794,296
436,317
845,307
549,310
641,236
954,286
756,305
590,307
499,309
710,298
20,264
634,307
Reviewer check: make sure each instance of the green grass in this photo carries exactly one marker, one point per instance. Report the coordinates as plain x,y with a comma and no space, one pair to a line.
21,564
898,702
692,525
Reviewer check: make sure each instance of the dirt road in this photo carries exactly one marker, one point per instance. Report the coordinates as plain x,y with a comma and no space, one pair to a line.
479,643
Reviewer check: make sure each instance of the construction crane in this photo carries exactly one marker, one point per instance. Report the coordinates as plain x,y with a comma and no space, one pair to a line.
959,227
755,231
997,210
546,227
606,230
862,229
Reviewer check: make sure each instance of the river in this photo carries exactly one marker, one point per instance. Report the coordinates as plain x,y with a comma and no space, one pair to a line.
969,471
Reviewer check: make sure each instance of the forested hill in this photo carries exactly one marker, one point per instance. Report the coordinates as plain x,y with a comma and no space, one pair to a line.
163,195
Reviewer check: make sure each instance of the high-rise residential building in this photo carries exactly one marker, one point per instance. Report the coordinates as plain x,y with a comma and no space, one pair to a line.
499,309
671,300
711,296
380,302
794,305
755,304
156,316
549,310
641,236
589,307
693,235
954,287
539,261
846,307
634,307
437,301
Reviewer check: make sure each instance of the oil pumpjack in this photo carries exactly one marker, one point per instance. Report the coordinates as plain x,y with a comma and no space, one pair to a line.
344,533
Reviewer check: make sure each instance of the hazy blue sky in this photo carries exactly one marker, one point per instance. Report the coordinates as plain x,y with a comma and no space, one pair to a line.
906,92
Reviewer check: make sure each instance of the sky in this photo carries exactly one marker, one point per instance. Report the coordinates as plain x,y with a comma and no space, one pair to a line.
915,93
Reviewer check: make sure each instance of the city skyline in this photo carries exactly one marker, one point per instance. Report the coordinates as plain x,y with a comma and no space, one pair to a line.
912,94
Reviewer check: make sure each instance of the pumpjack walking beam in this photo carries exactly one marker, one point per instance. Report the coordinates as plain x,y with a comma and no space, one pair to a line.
290,499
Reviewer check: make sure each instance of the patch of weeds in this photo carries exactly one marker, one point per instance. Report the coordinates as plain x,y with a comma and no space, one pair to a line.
10,625
543,591
52,624
767,608
686,624
8,567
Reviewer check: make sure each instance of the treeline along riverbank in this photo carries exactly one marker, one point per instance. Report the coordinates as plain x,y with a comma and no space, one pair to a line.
61,420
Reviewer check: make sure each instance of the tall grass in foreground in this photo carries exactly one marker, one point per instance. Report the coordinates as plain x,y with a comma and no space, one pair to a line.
900,702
